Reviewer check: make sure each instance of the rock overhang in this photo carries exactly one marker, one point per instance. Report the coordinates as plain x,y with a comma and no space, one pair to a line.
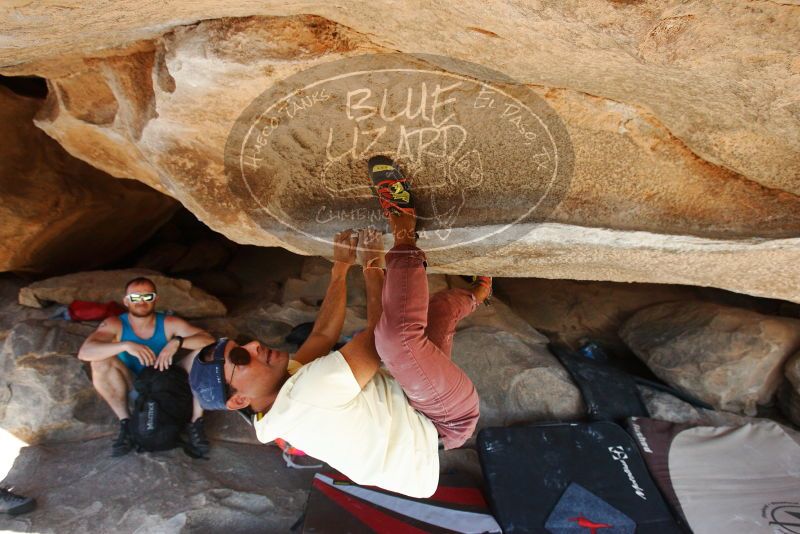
647,199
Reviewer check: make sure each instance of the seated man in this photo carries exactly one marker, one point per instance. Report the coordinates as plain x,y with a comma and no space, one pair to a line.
122,346
341,407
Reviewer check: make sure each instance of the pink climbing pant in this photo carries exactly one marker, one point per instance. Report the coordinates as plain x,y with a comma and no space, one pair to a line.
414,338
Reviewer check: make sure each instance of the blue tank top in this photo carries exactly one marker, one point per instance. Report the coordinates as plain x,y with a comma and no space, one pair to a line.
156,342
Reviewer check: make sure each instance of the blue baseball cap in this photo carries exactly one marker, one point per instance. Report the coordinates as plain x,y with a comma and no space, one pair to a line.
208,378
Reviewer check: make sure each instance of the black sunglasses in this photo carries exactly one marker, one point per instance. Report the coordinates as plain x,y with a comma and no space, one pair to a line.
238,356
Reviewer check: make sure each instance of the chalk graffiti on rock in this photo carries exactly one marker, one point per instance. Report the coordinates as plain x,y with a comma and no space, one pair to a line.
297,155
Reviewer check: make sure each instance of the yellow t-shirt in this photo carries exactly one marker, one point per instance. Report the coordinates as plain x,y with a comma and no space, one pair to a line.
371,435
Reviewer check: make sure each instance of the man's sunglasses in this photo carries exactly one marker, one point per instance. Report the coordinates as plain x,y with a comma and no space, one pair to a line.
238,356
141,297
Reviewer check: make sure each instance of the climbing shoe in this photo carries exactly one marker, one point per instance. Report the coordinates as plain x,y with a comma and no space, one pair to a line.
13,504
480,281
124,443
390,186
198,442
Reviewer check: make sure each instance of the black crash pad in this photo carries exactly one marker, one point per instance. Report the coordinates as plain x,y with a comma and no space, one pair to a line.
609,393
570,478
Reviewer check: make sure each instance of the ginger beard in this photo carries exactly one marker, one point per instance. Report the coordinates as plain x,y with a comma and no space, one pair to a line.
142,309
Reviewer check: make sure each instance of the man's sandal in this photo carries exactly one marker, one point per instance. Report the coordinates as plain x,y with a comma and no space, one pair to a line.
480,281
390,186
